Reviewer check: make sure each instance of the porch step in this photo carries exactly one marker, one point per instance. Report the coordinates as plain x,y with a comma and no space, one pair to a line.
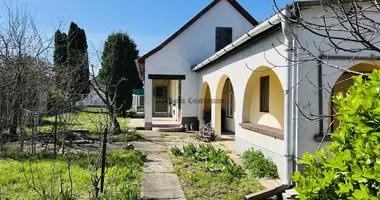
168,129
166,125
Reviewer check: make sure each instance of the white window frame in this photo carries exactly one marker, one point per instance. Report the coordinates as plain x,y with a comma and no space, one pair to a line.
229,106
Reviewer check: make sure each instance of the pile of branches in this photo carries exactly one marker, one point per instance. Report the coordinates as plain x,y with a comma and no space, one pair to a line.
206,133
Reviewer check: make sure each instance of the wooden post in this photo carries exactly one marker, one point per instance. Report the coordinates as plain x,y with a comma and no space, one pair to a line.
104,154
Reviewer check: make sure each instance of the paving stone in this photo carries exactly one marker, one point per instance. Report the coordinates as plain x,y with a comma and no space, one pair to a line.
162,186
146,146
158,163
160,180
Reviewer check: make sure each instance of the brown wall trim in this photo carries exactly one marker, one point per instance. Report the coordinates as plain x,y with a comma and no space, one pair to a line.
265,130
166,76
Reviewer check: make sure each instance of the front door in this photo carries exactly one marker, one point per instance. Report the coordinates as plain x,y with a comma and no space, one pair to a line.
161,99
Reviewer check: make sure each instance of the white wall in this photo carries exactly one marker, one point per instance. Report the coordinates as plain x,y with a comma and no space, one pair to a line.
308,80
192,47
235,67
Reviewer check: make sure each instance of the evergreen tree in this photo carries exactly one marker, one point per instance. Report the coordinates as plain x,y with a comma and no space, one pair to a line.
118,69
60,56
77,60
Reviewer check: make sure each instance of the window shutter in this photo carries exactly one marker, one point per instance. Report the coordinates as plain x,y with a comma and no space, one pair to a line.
264,94
223,37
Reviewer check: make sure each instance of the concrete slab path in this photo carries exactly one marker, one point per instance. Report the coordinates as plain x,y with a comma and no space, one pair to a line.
160,180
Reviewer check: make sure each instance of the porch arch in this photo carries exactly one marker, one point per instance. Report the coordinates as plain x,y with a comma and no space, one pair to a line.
205,104
220,103
274,116
343,83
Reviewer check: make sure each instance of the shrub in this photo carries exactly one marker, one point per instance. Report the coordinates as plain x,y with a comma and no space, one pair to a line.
259,166
206,133
350,167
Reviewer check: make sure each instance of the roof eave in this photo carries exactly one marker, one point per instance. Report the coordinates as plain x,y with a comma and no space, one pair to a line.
269,23
234,3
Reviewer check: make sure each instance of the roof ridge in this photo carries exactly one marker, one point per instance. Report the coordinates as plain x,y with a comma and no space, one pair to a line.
234,3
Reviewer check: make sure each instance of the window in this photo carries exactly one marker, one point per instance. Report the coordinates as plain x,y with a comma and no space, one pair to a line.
223,37
229,99
264,94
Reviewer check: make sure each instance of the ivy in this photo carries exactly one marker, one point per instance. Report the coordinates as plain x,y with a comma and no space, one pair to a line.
349,168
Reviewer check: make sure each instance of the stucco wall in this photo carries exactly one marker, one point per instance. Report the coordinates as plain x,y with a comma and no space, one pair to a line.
239,68
308,81
192,47
251,110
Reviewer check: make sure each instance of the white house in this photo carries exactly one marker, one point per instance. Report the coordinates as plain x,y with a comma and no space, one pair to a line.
225,68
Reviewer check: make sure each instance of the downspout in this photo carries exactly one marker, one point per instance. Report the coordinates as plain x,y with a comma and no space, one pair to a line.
320,96
288,125
295,107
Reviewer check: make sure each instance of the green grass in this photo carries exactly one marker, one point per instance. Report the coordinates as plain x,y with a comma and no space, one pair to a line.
164,135
83,121
210,179
124,174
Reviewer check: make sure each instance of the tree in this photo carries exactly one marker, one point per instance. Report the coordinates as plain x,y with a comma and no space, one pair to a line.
118,59
24,72
60,56
77,61
350,168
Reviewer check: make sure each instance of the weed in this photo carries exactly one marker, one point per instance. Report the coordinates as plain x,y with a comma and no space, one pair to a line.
204,174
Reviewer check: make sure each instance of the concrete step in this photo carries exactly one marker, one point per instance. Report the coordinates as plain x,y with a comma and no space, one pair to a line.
168,129
290,194
173,125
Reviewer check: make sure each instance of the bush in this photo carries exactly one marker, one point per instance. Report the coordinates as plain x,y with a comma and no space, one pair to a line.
259,166
350,167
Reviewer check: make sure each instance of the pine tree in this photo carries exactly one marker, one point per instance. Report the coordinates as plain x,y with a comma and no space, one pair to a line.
118,69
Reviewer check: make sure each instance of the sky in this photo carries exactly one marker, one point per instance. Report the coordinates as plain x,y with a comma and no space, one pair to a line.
148,22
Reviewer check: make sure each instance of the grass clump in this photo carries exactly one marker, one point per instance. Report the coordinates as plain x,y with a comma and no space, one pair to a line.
164,135
207,172
255,162
125,137
123,178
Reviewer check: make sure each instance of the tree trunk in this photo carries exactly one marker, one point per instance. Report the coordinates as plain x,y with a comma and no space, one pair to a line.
116,125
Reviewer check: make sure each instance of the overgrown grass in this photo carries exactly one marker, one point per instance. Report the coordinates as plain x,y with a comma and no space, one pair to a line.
83,121
208,173
124,175
255,162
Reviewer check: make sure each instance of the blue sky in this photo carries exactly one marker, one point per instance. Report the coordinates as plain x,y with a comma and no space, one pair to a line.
148,22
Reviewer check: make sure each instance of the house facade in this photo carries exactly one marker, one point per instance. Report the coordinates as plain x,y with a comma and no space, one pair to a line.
224,68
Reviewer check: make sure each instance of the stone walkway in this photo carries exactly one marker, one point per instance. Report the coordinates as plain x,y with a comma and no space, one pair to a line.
160,180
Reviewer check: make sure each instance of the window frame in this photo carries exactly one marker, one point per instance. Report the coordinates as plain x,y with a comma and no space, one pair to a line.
229,107
264,95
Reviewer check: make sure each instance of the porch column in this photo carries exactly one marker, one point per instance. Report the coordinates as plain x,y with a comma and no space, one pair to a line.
215,115
148,104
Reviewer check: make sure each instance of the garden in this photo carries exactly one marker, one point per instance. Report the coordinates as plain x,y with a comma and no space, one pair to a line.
70,176
207,172
70,166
